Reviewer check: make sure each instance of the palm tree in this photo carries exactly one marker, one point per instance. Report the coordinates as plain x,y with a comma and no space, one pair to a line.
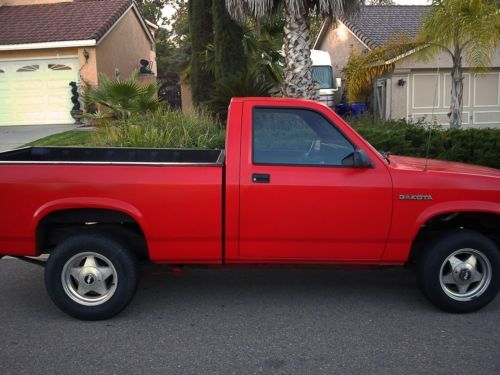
298,80
122,97
467,29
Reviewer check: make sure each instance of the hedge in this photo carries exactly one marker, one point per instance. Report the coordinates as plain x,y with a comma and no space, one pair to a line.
473,146
162,129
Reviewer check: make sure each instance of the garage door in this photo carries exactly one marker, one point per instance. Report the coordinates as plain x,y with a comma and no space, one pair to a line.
36,91
430,97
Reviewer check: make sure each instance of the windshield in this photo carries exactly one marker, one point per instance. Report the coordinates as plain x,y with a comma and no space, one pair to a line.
323,74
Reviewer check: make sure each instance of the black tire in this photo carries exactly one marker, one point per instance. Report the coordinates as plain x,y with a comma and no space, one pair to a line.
74,256
441,282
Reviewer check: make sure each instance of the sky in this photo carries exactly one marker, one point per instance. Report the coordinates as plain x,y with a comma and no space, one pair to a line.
168,10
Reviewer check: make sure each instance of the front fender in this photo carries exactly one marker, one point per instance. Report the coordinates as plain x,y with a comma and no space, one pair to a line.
401,239
451,207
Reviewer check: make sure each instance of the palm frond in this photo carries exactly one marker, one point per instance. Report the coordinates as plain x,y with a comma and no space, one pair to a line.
241,10
123,96
470,27
362,68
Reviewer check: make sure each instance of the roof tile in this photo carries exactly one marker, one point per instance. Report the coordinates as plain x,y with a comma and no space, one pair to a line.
78,20
375,25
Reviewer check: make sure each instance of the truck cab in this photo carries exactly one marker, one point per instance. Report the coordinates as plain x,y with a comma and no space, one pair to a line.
322,72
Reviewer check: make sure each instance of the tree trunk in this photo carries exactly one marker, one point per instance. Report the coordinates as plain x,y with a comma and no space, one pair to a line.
457,89
200,29
298,81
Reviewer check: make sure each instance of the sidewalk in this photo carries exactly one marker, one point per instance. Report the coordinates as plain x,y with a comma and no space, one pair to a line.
15,136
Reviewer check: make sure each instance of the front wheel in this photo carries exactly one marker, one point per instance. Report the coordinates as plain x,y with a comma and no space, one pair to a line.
91,276
459,272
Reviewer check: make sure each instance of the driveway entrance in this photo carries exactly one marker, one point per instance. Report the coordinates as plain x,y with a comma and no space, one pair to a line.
15,136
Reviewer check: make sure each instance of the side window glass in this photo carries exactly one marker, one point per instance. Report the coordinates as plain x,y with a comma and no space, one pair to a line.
297,137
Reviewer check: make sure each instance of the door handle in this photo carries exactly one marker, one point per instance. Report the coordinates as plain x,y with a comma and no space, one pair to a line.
261,178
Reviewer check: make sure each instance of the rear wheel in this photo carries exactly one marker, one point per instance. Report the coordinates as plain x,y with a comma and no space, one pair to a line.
459,271
91,276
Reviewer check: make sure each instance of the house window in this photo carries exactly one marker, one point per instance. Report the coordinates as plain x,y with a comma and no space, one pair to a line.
59,67
29,68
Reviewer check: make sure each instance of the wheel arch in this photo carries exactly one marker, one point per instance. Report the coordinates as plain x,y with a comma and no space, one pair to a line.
56,223
485,222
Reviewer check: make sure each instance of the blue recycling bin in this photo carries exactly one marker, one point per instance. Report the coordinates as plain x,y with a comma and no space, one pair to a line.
341,109
358,109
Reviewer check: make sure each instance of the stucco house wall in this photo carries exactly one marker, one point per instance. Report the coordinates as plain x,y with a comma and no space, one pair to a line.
45,53
121,51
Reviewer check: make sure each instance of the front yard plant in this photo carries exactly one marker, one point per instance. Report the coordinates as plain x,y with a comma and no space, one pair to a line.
162,129
120,98
472,146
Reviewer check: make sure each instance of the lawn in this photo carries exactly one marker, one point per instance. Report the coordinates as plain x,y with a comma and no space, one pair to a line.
69,138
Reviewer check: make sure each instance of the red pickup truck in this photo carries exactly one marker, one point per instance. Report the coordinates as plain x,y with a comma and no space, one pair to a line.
295,185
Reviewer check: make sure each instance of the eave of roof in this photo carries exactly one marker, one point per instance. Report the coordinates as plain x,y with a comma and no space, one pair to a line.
327,23
359,34
48,45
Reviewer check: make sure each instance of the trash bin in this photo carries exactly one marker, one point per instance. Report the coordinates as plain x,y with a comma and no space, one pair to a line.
341,109
358,109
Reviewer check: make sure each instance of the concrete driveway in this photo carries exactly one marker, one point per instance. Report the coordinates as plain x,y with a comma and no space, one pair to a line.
15,136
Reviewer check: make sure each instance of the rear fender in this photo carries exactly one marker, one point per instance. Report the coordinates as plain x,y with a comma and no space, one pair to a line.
86,202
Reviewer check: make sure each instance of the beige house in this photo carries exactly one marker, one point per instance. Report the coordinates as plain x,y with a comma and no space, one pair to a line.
45,44
415,90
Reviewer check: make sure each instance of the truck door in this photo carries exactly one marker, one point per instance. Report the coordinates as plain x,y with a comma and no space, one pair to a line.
299,198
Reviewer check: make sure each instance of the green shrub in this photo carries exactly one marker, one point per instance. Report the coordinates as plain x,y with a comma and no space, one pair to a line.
162,129
121,97
473,146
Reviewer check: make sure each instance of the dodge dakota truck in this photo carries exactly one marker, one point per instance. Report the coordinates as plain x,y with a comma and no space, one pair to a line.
295,185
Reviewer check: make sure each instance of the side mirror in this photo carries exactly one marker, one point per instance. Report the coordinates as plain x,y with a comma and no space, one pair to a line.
361,159
358,159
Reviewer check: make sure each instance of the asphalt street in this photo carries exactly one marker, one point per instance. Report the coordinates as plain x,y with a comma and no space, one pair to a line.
244,321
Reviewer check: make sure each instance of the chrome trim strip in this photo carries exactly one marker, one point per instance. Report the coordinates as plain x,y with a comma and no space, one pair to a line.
176,164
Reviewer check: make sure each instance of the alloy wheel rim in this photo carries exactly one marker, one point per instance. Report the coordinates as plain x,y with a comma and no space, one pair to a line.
89,278
465,274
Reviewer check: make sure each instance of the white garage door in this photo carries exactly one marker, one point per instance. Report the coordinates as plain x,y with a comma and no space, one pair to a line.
36,91
429,94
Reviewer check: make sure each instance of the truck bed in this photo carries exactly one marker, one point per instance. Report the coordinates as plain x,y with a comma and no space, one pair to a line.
98,155
174,195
